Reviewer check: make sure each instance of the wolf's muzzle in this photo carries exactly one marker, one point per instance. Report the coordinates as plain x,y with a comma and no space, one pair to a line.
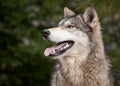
45,33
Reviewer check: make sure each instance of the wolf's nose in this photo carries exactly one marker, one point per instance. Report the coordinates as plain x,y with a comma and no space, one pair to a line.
46,33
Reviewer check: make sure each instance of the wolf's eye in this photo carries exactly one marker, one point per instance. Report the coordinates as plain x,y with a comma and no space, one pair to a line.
70,26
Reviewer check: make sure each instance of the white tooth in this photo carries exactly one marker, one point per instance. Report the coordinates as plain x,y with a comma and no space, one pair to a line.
53,51
67,45
61,48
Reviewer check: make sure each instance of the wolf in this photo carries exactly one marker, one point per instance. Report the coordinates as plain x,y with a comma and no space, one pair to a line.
78,50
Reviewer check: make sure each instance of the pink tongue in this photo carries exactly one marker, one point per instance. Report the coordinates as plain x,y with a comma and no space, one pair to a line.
48,51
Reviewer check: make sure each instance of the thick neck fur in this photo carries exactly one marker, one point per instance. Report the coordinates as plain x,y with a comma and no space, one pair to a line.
83,69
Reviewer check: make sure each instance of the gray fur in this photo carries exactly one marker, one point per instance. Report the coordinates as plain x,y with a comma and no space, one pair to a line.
83,65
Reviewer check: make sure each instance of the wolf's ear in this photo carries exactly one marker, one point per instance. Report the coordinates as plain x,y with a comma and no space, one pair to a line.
90,16
68,12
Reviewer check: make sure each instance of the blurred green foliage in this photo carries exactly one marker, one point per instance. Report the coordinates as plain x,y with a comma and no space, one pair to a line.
21,46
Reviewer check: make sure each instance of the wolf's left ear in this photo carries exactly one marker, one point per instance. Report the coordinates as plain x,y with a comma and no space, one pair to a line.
90,16
68,12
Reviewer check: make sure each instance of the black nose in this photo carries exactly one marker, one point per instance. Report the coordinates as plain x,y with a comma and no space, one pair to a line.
46,33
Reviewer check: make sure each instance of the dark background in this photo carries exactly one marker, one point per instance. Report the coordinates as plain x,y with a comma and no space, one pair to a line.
22,62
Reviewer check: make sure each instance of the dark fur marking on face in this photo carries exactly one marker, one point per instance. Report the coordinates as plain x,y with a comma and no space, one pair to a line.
89,32
64,19
87,26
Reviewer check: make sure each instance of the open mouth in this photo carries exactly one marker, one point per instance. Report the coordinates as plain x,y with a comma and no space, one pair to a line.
58,48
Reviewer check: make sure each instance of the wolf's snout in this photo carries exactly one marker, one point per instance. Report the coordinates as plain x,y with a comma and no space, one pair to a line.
46,33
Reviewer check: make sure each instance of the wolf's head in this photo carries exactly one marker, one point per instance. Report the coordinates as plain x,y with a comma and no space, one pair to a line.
74,33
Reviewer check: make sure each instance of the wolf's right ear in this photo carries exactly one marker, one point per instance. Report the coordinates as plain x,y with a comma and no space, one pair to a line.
90,16
68,12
